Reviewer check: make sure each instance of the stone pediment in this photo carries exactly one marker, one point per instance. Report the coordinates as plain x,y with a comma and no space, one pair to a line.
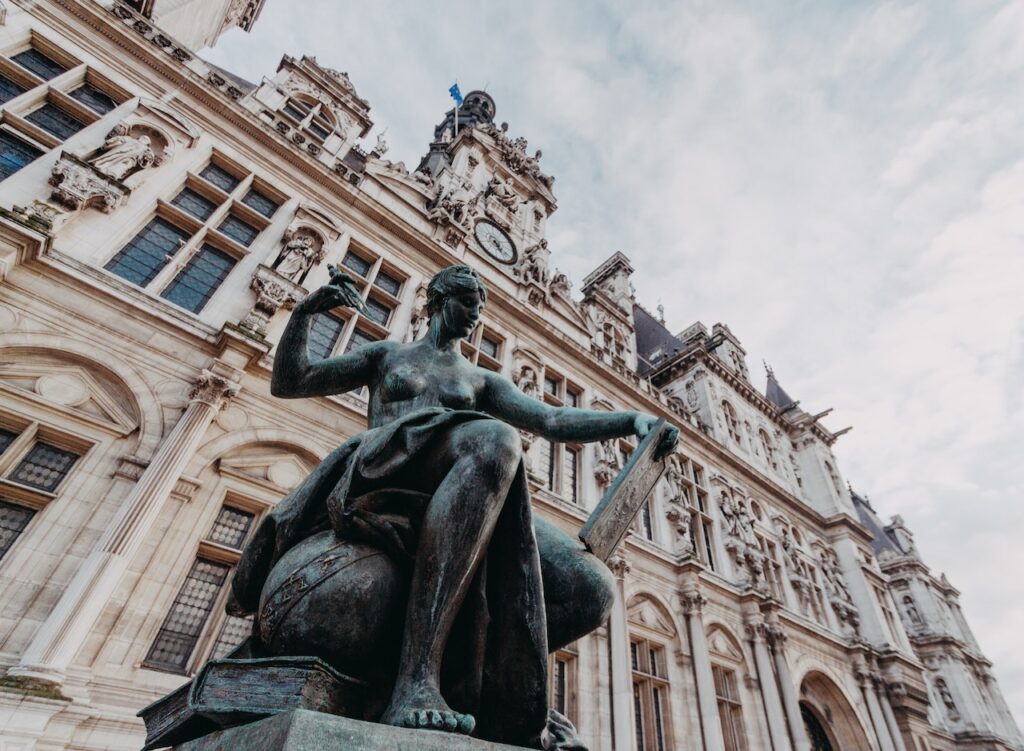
645,612
75,389
281,469
395,177
721,645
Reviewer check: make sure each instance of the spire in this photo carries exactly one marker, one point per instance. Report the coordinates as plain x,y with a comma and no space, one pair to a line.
775,393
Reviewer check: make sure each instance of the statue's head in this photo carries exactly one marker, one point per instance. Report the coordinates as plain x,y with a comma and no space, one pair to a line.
456,295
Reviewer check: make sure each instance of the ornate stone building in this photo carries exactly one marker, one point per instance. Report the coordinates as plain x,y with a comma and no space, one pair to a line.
158,218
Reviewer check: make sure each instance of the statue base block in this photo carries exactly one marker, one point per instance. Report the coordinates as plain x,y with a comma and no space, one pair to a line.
303,730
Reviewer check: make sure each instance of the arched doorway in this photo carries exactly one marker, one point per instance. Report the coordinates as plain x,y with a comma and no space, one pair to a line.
831,721
815,732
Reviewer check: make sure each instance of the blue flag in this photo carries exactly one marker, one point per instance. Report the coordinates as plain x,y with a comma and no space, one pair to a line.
456,94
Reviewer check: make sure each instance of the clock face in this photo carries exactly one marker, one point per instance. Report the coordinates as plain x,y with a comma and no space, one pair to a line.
495,242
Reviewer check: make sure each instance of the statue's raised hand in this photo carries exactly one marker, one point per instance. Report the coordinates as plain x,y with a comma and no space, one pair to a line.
644,424
341,291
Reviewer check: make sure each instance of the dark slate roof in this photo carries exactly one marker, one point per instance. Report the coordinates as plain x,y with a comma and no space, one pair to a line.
652,336
776,394
880,539
238,81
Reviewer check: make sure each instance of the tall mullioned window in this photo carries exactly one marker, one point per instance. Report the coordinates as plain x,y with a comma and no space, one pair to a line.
188,249
34,463
650,695
345,329
730,709
47,96
559,463
200,594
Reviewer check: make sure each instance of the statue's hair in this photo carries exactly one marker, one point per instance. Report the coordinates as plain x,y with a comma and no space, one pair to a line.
453,280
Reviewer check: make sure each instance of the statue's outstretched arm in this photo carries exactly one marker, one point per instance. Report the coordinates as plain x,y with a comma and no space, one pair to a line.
294,375
503,400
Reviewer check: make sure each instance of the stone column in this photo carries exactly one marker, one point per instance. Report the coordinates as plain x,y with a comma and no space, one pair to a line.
882,736
769,689
67,627
707,703
890,717
622,678
790,703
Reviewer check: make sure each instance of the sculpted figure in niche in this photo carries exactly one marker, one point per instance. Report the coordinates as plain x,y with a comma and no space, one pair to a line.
533,266
410,558
297,257
123,154
503,192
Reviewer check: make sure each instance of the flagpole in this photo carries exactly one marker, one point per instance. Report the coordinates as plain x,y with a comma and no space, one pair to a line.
456,120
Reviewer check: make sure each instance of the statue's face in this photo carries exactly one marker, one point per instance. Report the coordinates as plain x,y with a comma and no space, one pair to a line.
461,312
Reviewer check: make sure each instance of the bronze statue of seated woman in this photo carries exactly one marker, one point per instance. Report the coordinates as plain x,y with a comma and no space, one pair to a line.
410,558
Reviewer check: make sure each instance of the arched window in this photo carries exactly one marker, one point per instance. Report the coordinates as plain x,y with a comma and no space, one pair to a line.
310,115
815,731
727,665
731,422
652,639
834,476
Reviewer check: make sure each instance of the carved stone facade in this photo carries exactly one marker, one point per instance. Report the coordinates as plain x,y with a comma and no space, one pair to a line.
136,343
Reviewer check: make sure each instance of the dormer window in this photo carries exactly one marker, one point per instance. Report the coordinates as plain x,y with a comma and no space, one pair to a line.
311,116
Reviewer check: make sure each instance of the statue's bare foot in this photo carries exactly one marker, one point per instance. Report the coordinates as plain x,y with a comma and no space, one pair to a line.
423,707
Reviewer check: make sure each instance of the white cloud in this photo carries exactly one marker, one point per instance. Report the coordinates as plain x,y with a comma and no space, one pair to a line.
840,182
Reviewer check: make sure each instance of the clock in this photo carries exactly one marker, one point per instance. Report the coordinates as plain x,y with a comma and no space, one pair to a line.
495,242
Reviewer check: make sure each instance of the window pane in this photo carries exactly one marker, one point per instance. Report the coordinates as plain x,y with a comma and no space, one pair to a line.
195,285
388,283
230,527
561,685
318,129
197,205
38,63
377,312
256,200
148,252
359,339
13,520
546,466
570,465
238,230
187,617
234,631
44,467
646,526
572,398
323,335
638,717
294,112
659,720
357,264
54,120
219,177
551,385
9,89
93,98
15,154
489,346
6,439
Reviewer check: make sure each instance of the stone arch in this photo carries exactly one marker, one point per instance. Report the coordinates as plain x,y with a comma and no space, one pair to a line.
825,700
722,642
132,396
226,444
647,609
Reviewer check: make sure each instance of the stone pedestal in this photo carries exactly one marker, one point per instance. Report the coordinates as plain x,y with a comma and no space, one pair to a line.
302,730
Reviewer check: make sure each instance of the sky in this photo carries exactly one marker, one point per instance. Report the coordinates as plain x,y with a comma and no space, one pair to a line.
842,183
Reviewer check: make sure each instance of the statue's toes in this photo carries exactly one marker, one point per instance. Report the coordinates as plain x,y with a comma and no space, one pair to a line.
466,723
435,719
451,721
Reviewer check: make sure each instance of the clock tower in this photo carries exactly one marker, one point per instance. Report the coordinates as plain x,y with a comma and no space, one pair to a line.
488,194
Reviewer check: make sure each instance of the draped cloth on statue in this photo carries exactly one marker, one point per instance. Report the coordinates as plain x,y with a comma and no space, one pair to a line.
495,664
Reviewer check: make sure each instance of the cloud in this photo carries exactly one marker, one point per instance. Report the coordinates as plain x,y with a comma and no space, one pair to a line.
841,183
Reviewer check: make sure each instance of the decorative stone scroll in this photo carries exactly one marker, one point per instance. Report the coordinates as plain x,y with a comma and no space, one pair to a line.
273,292
77,185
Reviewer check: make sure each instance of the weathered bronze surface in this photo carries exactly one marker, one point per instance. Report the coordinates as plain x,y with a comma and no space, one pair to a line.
409,558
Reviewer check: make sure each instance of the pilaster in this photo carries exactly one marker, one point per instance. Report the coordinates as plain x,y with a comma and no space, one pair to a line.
618,644
711,725
776,637
67,627
755,628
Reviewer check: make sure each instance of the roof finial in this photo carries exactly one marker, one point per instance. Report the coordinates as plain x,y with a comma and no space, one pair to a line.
768,369
661,313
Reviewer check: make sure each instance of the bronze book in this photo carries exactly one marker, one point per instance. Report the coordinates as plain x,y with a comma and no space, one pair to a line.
609,522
